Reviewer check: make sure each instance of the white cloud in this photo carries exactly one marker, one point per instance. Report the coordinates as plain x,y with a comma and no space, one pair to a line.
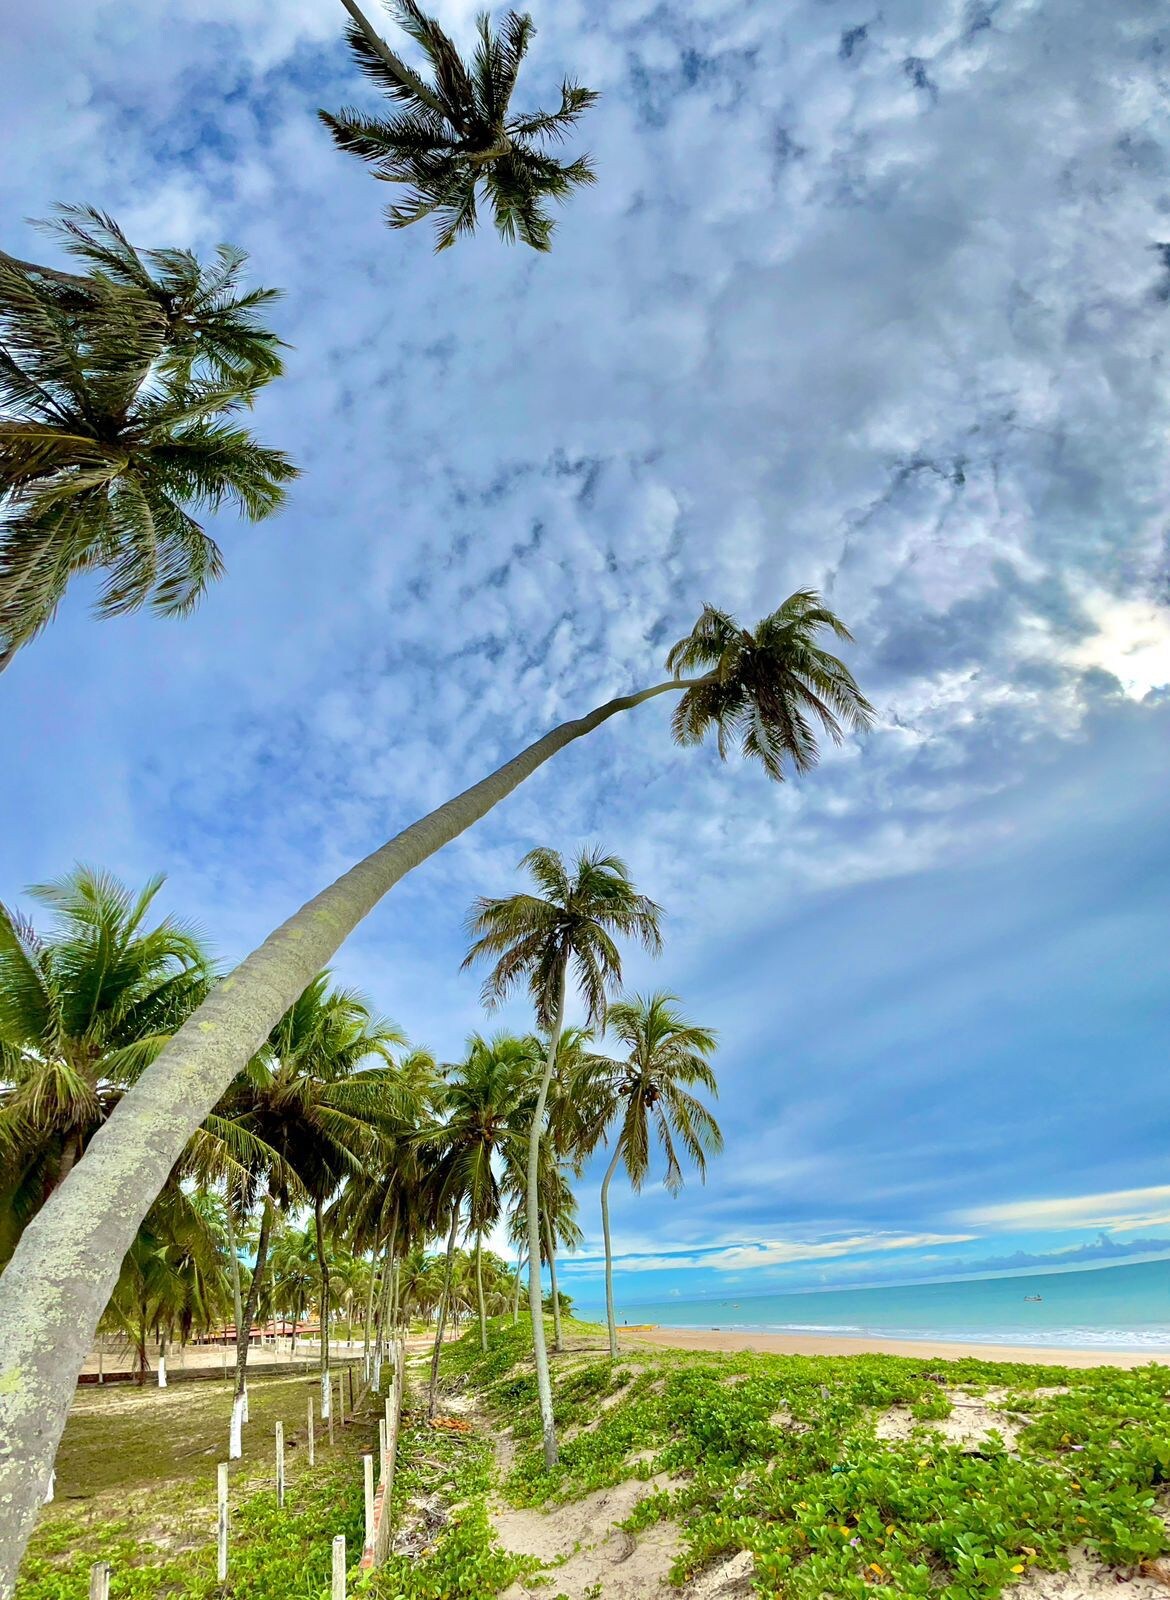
1117,1210
771,1252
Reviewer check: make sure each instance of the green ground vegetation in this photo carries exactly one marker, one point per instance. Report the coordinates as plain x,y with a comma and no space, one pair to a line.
136,1486
780,1455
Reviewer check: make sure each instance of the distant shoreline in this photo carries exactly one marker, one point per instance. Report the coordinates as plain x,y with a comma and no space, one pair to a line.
804,1344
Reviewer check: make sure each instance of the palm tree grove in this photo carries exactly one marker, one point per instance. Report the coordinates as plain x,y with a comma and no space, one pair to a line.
418,1153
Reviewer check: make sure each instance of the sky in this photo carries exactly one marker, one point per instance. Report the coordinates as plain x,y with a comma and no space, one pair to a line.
872,300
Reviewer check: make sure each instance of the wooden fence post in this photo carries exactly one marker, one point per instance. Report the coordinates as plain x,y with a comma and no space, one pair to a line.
221,1565
312,1435
280,1464
341,1397
381,1449
99,1581
368,1483
338,1590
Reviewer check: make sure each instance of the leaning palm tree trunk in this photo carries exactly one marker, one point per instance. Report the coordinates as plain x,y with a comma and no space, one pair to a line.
60,1277
610,1315
550,1246
532,1210
444,1302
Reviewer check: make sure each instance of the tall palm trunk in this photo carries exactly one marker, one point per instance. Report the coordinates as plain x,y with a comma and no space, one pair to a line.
443,1303
323,1264
479,1290
384,1340
71,1152
244,1324
60,1277
377,1279
532,1209
517,1285
551,1251
610,1315
234,1267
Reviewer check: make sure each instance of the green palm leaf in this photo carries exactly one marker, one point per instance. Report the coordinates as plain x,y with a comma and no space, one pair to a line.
458,135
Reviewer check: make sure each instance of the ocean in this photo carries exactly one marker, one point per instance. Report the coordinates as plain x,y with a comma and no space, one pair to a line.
1106,1308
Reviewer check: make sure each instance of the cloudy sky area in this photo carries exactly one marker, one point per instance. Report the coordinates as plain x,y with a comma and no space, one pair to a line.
868,299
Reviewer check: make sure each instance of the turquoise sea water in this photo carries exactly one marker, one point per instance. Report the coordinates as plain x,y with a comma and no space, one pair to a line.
1109,1308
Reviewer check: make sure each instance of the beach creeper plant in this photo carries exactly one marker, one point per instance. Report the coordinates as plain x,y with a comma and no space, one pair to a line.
536,939
766,689
456,137
117,390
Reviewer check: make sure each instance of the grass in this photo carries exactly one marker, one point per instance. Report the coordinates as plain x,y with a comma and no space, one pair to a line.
777,1455
136,1486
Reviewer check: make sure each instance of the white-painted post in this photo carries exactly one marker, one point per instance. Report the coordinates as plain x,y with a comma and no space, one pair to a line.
280,1463
221,1561
329,1424
368,1481
235,1435
381,1448
377,1374
341,1397
99,1581
338,1590
312,1435
162,1372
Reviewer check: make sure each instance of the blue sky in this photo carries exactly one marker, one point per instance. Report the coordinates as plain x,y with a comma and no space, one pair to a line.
866,299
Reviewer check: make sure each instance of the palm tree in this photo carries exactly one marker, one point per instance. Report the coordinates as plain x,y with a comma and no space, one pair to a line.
83,1012
650,1091
293,1273
777,676
304,1099
482,1129
198,314
116,392
380,1208
535,939
558,1227
458,136
173,1275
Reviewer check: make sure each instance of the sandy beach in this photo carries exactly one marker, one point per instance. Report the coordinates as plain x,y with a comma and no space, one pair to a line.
804,1344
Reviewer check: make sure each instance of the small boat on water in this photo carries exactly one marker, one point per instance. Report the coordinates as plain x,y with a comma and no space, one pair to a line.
1033,1297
